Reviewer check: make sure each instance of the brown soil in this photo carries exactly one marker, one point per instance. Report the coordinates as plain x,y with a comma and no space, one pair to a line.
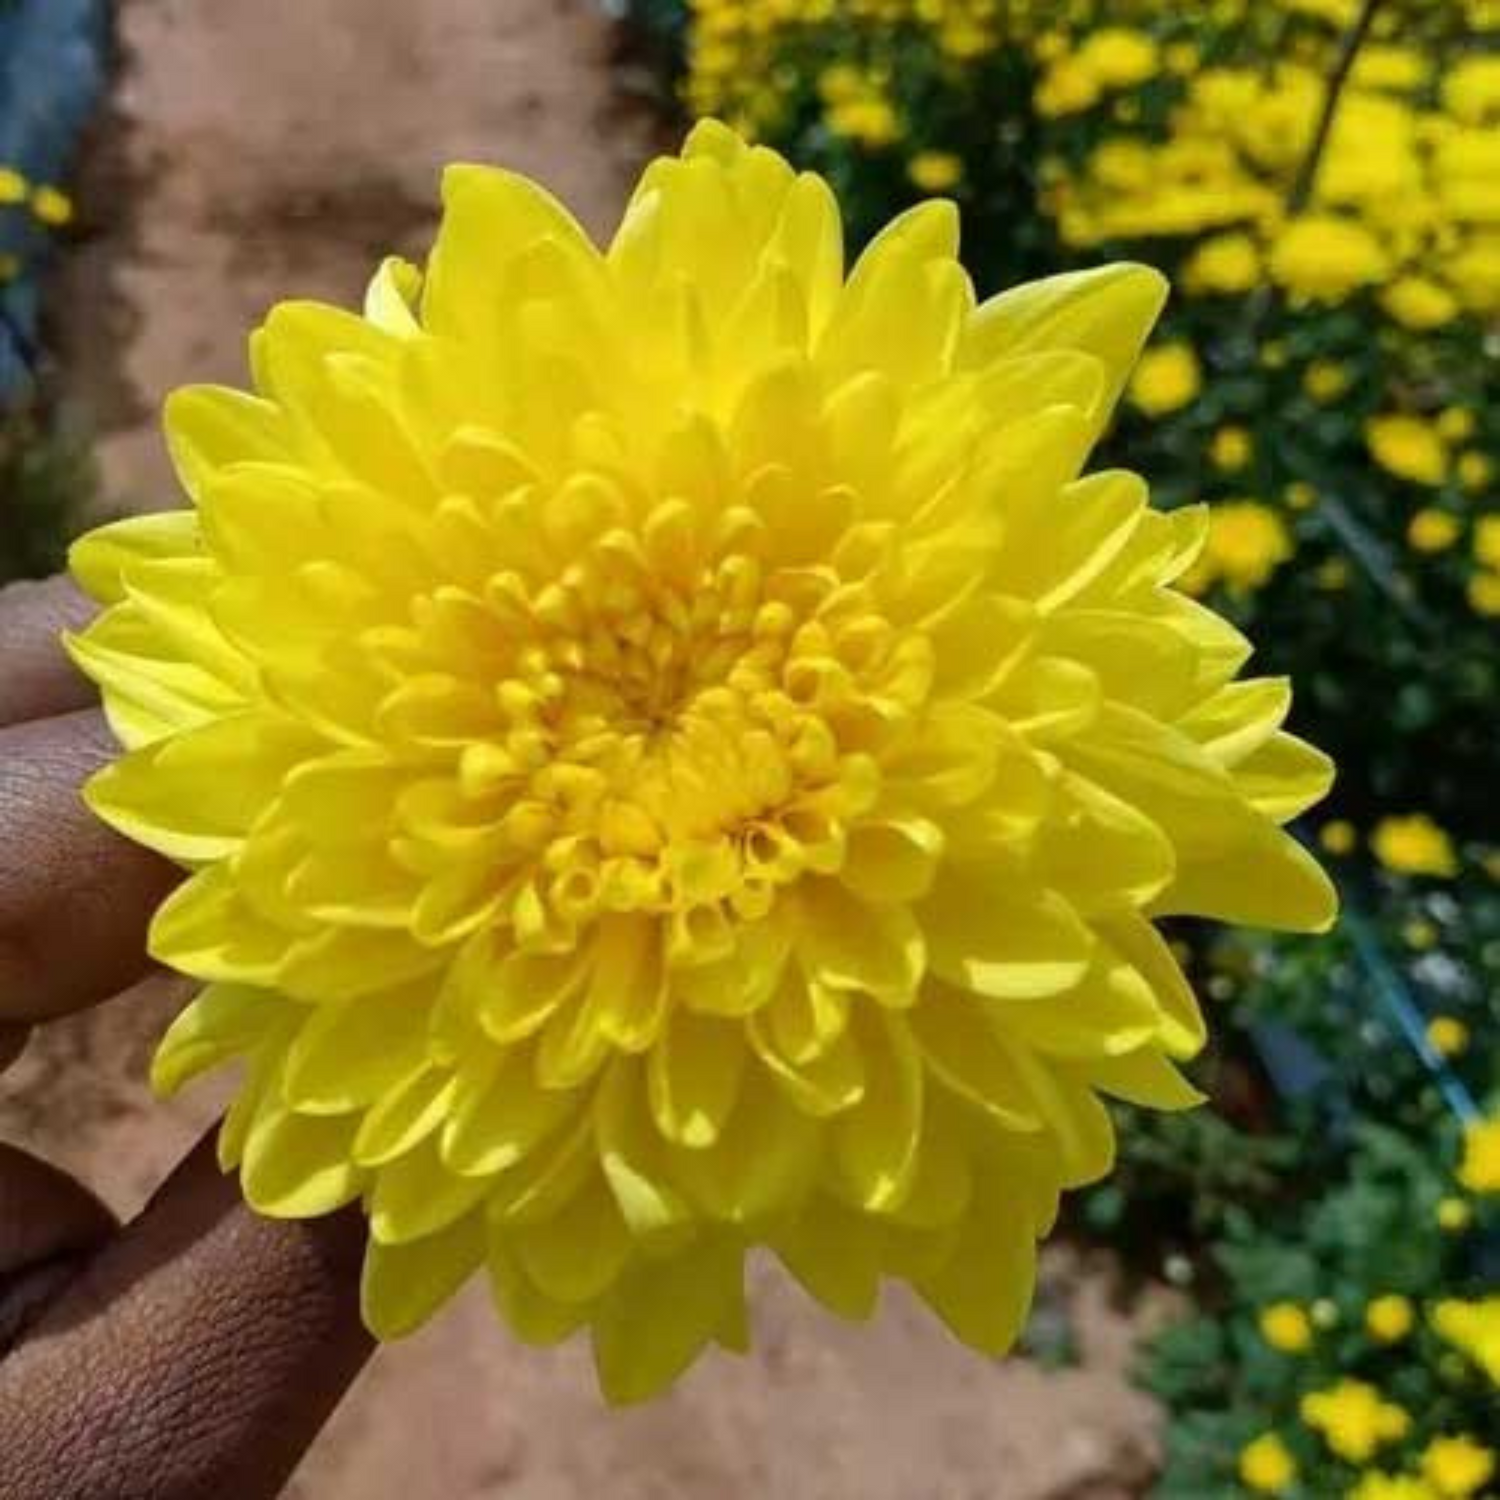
276,149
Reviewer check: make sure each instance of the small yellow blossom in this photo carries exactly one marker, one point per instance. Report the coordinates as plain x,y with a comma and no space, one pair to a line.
935,171
1473,1328
1414,845
1408,447
1325,380
1457,1467
1332,575
1166,379
1326,258
871,121
1353,1419
1448,1035
1454,1214
1389,1319
1247,542
52,207
1227,263
1300,495
1475,471
1483,590
1285,1326
1455,424
1471,89
1067,88
1419,303
1266,1465
1232,448
1325,1313
1431,530
1181,57
1117,57
1419,933
13,187
1487,541
1376,1485
1338,836
1479,1169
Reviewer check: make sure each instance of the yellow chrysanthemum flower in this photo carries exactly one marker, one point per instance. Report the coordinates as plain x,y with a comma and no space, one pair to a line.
1448,1036
1232,448
1389,1319
1327,258
1353,1419
1408,447
1479,1170
1413,844
1247,542
1266,1465
1432,530
1473,1327
935,171
1457,1467
1166,379
1377,1485
1285,1326
1454,1214
674,755
1338,836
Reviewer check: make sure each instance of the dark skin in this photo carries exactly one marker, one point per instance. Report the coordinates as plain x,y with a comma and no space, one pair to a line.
198,1350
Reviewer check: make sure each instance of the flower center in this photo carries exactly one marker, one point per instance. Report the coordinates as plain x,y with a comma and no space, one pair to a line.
685,739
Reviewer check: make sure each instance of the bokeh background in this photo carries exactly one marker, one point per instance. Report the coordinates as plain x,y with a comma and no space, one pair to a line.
1294,1291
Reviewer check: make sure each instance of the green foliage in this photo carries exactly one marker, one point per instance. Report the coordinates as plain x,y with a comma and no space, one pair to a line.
1372,1233
46,482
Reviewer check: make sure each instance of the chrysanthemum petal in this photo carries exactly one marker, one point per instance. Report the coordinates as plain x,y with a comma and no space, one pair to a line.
502,1119
297,1166
983,1288
1142,1077
348,1056
404,1118
223,1022
403,1285
416,1195
693,1078
578,1254
193,796
210,427
875,1143
1108,312
990,933
1284,777
835,1255
103,560
662,1313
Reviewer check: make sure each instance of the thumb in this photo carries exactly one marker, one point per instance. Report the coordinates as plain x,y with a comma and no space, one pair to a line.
196,1354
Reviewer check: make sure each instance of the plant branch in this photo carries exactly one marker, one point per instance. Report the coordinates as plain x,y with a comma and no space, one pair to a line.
1349,45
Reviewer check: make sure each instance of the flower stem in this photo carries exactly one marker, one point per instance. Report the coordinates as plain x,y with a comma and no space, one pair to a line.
1353,39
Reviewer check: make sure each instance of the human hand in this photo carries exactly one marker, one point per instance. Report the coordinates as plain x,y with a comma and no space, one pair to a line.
198,1350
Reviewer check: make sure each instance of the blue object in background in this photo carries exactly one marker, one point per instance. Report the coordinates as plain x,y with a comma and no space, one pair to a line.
53,57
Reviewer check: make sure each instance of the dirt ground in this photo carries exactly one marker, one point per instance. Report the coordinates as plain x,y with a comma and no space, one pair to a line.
277,149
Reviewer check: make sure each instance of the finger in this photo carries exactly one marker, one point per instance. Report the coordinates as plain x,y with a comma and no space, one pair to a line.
75,898
198,1354
39,680
12,1044
47,1224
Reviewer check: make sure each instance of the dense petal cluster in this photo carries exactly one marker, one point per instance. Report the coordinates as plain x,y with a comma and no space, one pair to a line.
674,755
